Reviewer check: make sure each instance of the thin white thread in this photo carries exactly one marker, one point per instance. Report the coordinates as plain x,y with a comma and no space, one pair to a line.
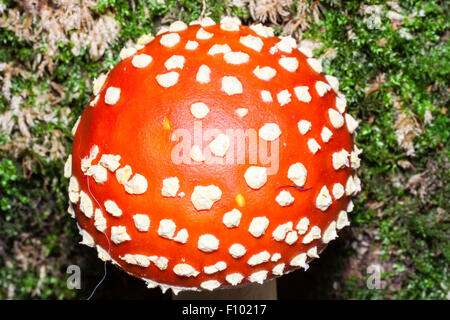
109,245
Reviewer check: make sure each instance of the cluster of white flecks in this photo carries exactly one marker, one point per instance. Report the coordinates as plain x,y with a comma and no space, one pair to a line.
204,197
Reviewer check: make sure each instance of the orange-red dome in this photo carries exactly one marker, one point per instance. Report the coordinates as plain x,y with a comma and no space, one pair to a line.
213,155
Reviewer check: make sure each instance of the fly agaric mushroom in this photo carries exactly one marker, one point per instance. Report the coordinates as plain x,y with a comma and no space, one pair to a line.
199,224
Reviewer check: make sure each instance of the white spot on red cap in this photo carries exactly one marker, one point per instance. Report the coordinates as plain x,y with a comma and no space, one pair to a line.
203,35
231,85
329,233
280,231
259,258
86,205
236,57
252,42
284,97
160,262
99,220
230,23
99,173
304,126
269,132
291,237
234,278
289,63
262,30
175,62
341,103
199,110
258,226
141,60
217,267
207,22
338,190
119,234
110,161
219,49
315,64
265,73
266,96
313,145
166,228
137,259
297,174
350,206
352,124
112,208
336,119
185,270
219,146
136,185
208,243
326,134
197,154
177,26
232,218
142,222
299,261
322,88
342,220
170,40
203,74
123,174
170,187
94,101
258,276
74,189
210,284
302,225
340,159
204,197
68,167
168,79
112,95
191,45
312,252
182,236
284,198
237,250
323,200
98,83
275,257
127,52
302,94
87,239
241,112
333,81
278,269
286,44
255,177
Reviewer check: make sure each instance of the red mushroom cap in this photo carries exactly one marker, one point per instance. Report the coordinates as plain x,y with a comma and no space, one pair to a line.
213,155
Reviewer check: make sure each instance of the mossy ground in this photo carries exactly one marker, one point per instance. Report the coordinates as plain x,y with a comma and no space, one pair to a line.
392,60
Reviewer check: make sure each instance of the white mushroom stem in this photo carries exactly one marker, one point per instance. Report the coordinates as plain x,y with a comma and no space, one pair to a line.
254,291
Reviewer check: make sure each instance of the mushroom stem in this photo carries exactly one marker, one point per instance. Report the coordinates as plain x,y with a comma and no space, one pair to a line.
266,291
